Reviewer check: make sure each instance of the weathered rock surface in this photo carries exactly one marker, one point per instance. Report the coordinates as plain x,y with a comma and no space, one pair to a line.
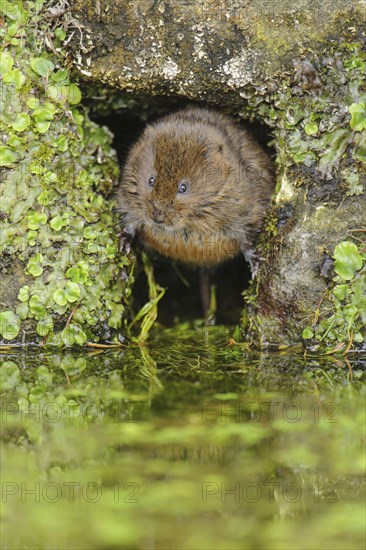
210,50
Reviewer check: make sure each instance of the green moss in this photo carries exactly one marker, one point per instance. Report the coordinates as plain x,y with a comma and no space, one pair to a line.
318,119
59,168
340,319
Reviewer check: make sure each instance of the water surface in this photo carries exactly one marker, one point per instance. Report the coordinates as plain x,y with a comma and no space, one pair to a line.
186,443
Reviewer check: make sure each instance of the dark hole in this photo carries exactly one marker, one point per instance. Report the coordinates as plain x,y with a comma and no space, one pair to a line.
182,299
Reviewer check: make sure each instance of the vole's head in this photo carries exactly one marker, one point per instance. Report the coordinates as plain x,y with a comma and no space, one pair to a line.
174,174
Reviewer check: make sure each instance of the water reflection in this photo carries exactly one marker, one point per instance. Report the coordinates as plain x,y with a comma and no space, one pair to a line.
181,444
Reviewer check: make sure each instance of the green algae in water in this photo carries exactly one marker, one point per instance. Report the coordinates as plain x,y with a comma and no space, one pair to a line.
187,443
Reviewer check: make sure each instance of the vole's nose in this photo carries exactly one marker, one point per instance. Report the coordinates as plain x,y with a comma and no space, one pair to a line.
158,215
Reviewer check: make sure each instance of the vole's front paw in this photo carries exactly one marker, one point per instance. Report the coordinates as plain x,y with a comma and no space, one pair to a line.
252,258
125,241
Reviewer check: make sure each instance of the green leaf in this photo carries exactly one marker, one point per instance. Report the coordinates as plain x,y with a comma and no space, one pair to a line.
72,335
14,10
14,141
15,76
58,92
74,94
58,222
115,317
72,291
42,127
44,198
33,266
38,258
90,232
78,273
60,33
60,297
21,122
45,326
50,177
311,128
54,93
352,178
348,260
92,248
22,310
13,29
78,117
44,112
9,325
60,76
6,62
359,151
71,366
23,294
32,237
36,307
7,156
307,333
358,288
62,144
340,291
350,311
33,103
111,251
9,376
35,219
42,66
73,273
358,118
34,269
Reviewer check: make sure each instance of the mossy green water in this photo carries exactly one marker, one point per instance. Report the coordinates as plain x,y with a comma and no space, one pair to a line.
188,443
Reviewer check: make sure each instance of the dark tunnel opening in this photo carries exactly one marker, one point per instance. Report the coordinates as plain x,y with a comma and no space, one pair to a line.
182,300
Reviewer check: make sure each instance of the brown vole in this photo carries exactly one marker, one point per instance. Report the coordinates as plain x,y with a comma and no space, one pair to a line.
196,187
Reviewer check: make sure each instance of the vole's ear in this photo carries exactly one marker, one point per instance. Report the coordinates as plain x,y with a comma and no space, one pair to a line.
204,147
212,148
145,157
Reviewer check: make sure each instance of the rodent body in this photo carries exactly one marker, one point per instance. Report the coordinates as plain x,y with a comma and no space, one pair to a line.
196,187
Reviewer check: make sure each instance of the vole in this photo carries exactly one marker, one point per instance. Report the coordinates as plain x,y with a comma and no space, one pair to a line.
196,187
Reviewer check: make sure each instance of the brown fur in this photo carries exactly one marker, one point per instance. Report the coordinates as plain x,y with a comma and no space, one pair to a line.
230,183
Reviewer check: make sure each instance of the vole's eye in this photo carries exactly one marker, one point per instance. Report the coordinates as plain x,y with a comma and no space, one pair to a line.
151,181
182,187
